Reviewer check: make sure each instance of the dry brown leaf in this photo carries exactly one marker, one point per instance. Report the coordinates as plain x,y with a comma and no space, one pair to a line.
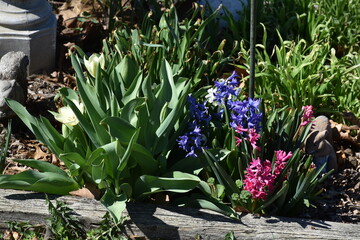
89,191
136,237
39,154
15,235
83,192
7,235
55,161
240,209
71,10
12,170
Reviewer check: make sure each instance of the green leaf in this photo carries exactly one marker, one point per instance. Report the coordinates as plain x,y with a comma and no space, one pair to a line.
87,92
127,69
167,92
133,90
189,164
278,194
42,129
145,159
41,166
73,157
114,204
119,128
213,157
199,201
47,182
125,157
171,118
111,160
176,181
96,133
128,112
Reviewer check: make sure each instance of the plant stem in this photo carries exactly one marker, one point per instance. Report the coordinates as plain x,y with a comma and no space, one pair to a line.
252,47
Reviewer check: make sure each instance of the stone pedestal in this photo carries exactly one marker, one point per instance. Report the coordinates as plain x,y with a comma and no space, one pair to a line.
235,7
29,26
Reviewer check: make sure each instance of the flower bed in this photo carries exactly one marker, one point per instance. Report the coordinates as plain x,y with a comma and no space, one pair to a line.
152,118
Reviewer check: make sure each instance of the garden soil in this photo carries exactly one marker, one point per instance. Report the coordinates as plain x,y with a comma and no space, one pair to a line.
339,201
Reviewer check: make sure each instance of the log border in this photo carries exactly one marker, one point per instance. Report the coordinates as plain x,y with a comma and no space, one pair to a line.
169,222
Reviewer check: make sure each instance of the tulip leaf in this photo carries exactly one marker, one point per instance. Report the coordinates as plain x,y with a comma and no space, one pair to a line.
114,204
176,181
47,182
119,128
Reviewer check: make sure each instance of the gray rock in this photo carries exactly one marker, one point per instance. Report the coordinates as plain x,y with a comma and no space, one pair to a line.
13,80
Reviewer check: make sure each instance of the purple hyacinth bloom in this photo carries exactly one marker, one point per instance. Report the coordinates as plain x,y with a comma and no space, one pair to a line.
194,139
227,89
246,113
199,112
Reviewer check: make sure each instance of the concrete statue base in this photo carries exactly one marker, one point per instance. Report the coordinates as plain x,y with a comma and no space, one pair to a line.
29,26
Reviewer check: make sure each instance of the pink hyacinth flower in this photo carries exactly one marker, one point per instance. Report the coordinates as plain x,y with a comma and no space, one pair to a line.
308,115
258,179
281,160
253,138
240,129
238,141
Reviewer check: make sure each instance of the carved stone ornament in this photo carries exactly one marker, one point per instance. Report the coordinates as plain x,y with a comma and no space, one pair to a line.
13,81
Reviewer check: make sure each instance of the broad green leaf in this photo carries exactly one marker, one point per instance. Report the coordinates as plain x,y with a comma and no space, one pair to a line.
47,182
145,159
272,199
189,164
42,130
199,201
167,91
71,94
73,157
111,159
87,92
176,181
127,69
133,90
90,99
119,128
128,112
213,157
125,157
114,204
41,166
171,118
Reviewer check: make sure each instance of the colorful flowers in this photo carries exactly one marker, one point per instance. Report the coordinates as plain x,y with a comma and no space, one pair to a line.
308,115
223,97
281,160
260,176
194,139
246,113
258,179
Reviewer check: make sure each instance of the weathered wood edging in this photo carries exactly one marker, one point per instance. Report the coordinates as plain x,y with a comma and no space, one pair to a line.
167,222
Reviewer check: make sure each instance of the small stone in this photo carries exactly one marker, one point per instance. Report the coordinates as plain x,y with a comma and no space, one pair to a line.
353,161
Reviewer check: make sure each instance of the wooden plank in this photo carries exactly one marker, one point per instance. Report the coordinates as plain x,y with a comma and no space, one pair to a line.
168,222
